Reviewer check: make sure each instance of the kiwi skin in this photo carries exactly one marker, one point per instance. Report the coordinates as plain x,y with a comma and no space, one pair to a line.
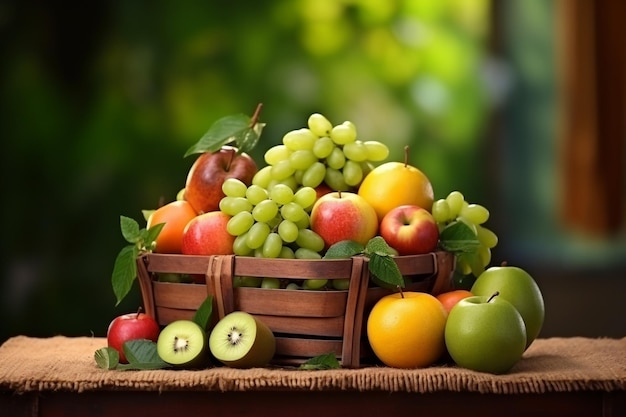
255,355
182,328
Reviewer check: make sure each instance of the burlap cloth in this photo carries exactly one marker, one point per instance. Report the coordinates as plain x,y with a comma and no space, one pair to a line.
549,365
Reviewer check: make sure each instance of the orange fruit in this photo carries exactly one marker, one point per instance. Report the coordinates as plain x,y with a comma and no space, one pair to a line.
175,215
406,330
450,298
394,184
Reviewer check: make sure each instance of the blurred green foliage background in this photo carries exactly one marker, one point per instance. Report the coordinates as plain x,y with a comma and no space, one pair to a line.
100,101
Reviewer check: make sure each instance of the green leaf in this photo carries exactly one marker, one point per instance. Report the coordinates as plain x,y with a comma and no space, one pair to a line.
221,132
124,271
130,229
458,237
142,354
202,317
344,249
379,246
107,357
250,138
321,362
386,270
151,234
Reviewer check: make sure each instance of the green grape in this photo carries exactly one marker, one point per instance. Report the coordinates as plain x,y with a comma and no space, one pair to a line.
336,159
276,153
304,222
265,211
273,223
240,223
270,283
334,179
343,134
314,284
475,213
308,239
292,286
352,173
292,212
240,247
376,151
455,202
341,284
255,194
463,267
486,237
257,235
305,197
287,253
288,231
314,175
319,125
304,253
484,253
233,187
441,211
299,139
323,147
302,159
282,170
272,246
290,182
234,205
298,175
281,194
355,151
263,177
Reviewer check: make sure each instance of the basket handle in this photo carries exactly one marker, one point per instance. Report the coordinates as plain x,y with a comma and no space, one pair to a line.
145,284
353,321
443,263
219,283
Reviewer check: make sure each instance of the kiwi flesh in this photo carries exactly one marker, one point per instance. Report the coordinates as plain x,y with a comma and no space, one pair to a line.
183,344
240,340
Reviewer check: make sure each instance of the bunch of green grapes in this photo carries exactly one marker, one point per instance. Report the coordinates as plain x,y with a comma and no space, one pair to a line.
271,223
454,208
320,153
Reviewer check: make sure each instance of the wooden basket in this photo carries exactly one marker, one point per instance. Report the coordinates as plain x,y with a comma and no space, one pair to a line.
306,323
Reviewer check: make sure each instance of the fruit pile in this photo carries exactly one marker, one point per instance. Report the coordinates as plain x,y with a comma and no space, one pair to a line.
321,195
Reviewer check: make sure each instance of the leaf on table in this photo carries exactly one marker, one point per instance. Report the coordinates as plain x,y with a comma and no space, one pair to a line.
321,362
107,358
142,354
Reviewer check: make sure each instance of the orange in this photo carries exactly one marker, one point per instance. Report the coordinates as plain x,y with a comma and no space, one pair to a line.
175,215
450,298
394,184
406,330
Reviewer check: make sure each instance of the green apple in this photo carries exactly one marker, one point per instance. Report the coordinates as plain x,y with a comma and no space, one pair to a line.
485,334
517,287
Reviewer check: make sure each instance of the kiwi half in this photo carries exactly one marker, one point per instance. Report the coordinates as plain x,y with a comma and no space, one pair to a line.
183,343
240,340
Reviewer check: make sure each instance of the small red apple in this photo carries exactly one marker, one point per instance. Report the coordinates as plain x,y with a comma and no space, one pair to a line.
322,190
450,298
131,326
206,234
410,229
341,216
203,188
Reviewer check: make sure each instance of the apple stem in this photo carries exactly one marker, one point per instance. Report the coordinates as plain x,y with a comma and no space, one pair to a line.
255,117
339,193
139,311
406,155
503,263
230,161
495,294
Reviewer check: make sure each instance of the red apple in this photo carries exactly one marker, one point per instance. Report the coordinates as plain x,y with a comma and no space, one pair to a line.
410,230
341,216
203,188
206,234
451,298
131,326
322,190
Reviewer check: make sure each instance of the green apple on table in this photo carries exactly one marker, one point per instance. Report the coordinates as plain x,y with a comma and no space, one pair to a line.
520,289
485,334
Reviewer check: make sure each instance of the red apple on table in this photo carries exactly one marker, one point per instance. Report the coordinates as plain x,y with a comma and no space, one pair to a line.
410,229
344,215
206,234
203,188
131,326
